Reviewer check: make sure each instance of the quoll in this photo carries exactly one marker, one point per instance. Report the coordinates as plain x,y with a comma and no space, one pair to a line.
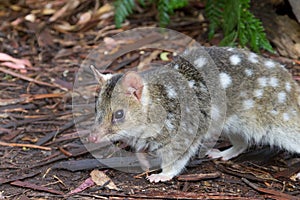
263,107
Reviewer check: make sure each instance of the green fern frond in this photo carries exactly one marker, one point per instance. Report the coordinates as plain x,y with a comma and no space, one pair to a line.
163,12
238,23
213,11
142,2
166,8
176,4
252,29
123,8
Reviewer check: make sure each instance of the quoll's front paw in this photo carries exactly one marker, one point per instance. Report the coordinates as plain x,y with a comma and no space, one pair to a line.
158,178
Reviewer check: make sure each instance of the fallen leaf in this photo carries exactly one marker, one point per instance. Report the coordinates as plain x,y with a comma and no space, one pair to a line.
65,27
70,5
48,11
14,63
30,17
86,184
101,178
164,56
110,43
104,9
84,18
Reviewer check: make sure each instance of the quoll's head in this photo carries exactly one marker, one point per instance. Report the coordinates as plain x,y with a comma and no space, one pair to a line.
119,107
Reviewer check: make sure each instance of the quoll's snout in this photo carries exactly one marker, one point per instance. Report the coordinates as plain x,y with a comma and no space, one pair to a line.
92,138
94,135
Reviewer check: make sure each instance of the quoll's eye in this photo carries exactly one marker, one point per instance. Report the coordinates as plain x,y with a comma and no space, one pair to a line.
118,115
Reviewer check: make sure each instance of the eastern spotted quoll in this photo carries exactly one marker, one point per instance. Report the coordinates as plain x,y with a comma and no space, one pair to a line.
263,107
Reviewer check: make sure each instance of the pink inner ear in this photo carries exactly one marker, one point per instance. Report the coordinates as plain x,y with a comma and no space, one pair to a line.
133,84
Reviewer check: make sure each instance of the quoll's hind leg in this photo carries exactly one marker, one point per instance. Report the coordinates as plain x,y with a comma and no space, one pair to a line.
239,145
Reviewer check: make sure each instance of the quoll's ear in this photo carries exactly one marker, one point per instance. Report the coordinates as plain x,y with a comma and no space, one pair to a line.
132,83
101,78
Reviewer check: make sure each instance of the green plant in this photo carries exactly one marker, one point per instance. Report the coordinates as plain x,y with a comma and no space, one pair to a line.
165,8
239,25
123,8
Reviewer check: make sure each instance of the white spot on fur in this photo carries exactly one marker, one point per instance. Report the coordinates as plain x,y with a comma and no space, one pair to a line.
248,72
282,66
248,104
176,67
269,64
285,117
253,57
215,112
294,112
225,80
234,59
169,125
200,62
262,81
187,109
281,97
273,82
258,93
288,86
171,92
145,99
191,83
186,52
230,49
243,94
274,112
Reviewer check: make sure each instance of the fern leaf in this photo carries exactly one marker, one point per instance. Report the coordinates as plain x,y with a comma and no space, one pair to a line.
163,12
213,11
251,30
232,15
122,9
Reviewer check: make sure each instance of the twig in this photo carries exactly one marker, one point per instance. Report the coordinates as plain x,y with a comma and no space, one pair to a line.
25,184
173,195
277,194
198,177
68,125
21,76
24,145
145,173
19,177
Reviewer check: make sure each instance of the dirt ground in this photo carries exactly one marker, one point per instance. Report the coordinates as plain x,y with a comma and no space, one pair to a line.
42,156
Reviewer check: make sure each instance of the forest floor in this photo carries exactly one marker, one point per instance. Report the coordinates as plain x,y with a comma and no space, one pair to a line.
42,154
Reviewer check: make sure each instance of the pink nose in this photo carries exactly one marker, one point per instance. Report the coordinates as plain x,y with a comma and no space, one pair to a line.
92,138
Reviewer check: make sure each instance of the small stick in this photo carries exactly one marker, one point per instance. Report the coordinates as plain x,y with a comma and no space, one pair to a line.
198,177
29,79
24,145
145,173
271,192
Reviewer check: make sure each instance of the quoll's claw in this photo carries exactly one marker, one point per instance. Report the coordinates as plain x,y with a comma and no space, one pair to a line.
158,178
